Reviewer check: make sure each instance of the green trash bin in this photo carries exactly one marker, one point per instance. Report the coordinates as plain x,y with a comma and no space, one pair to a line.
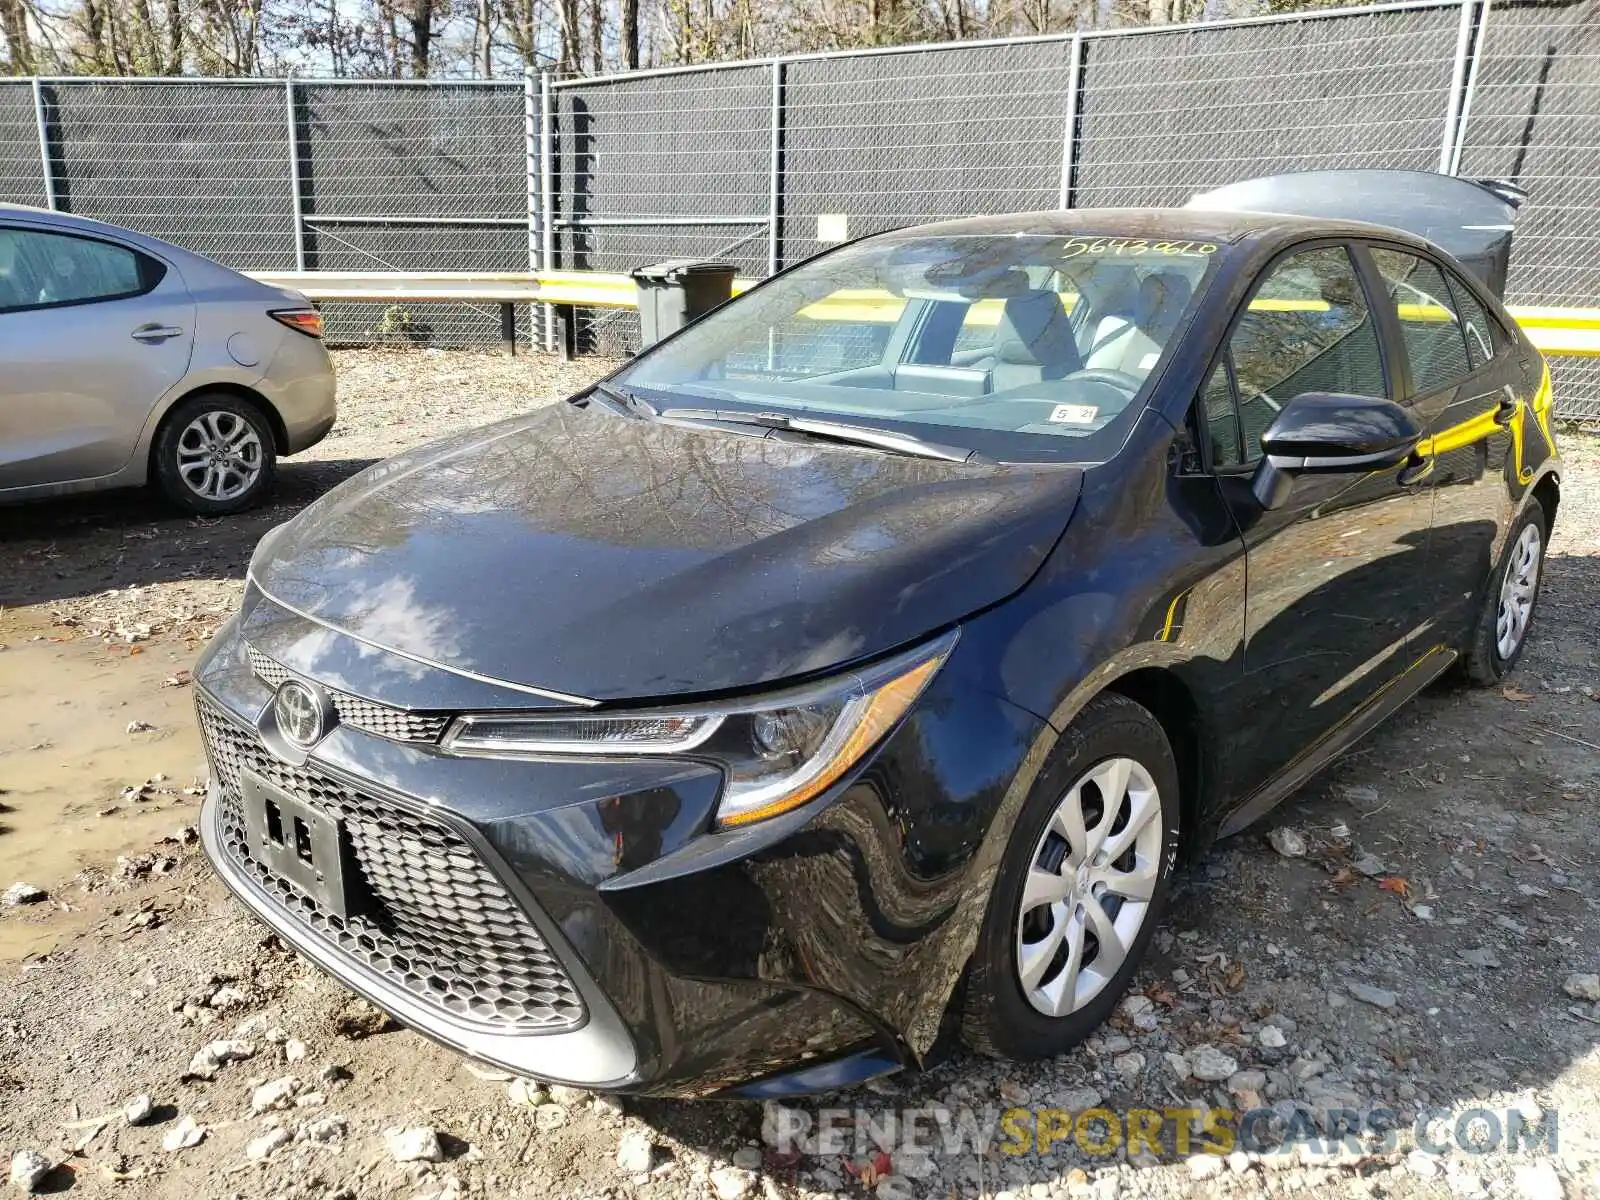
675,292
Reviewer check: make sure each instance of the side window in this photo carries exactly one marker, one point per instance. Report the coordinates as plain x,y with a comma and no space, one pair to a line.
1307,328
1220,418
40,270
1477,324
1435,342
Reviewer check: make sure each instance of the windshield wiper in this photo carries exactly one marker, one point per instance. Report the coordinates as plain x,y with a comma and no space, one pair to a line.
623,403
860,435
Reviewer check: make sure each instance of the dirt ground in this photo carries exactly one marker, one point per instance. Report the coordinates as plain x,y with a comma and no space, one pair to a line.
1415,958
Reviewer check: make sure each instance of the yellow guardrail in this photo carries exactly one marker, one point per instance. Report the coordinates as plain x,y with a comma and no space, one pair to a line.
1555,331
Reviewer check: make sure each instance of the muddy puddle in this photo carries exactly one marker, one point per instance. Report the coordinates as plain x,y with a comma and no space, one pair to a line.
77,787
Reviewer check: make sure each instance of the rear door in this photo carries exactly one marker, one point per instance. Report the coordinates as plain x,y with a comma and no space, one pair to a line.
1465,382
92,334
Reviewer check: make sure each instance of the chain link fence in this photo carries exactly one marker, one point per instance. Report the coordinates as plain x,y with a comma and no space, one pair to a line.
763,163
1534,116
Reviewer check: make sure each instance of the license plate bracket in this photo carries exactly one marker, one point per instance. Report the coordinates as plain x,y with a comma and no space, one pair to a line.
296,842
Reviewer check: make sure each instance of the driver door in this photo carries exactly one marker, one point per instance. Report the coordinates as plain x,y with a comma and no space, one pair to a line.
1337,578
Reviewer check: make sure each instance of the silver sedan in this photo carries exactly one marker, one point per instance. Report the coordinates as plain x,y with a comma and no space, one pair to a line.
125,361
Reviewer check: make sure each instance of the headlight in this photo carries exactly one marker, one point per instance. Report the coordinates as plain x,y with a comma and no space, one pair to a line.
777,751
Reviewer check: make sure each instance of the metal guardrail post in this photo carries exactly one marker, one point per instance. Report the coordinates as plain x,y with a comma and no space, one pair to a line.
1458,79
1479,41
775,171
296,202
547,205
1069,135
44,145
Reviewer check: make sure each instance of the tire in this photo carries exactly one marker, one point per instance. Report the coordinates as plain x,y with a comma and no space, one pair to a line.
184,467
1501,632
998,1016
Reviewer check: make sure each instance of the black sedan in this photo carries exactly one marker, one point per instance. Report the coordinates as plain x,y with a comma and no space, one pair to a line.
860,663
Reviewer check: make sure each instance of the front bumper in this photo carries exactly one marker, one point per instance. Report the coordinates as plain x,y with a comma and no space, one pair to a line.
699,961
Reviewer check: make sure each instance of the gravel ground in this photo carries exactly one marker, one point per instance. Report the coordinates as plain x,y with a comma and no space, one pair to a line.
1407,934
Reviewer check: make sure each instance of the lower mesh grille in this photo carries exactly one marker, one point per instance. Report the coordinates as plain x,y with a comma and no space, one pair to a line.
439,925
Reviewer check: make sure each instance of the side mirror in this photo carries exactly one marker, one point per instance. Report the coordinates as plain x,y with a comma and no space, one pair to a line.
1324,433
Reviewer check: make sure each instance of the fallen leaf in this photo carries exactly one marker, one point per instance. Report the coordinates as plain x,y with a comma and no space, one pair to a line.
1342,878
1512,692
1395,884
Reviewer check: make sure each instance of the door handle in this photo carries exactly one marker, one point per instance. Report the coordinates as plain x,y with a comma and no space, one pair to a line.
1416,469
153,334
1506,411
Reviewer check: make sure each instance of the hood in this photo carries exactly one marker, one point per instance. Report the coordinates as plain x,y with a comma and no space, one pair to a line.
585,553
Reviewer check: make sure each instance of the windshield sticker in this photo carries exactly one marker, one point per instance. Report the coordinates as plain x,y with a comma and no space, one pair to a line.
1074,414
1134,247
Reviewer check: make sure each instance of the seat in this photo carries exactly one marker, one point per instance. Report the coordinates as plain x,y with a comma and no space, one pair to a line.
1133,342
1033,341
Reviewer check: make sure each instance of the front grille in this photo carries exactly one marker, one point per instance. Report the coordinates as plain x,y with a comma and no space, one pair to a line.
438,923
397,724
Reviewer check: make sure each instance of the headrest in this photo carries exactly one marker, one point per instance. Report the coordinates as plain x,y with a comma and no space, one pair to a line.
1035,330
1163,296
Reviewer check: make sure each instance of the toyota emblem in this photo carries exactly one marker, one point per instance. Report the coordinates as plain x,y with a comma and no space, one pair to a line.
301,714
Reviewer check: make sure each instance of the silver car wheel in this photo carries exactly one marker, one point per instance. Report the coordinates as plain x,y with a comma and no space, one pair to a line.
219,455
1090,882
1517,591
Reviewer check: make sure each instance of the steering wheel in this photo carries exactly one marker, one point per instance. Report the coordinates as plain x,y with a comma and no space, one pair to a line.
1109,375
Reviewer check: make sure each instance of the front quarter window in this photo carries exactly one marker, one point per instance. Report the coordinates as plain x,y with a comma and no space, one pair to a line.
1020,346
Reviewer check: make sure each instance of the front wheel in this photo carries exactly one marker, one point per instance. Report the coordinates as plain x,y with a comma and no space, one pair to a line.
1508,606
1081,887
214,455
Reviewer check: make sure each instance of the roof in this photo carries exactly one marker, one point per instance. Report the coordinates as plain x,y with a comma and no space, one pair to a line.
1178,224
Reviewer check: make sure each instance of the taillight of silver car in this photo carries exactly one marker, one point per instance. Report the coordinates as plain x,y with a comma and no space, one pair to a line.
304,320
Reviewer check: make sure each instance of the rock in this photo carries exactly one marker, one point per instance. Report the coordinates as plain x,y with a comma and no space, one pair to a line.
1376,996
28,1169
1289,843
1210,1064
262,1147
1012,1092
549,1116
731,1183
1207,1166
140,727
280,1093
1130,1065
1480,956
1371,866
1539,1182
137,1110
186,1133
1247,1081
418,1144
18,894
294,1050
1422,1164
1582,987
358,1019
324,1131
525,1093
1115,1043
747,1158
1177,1064
1135,1005
635,1152
562,1094
310,1100
209,1058
609,1106
1271,1037
227,996
1238,1162
1076,1100
1422,912
896,1187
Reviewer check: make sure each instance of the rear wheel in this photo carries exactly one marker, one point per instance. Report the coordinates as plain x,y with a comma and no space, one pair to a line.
214,455
1509,603
1081,887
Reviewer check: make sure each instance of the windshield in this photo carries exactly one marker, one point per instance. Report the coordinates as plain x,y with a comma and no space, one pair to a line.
1022,347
